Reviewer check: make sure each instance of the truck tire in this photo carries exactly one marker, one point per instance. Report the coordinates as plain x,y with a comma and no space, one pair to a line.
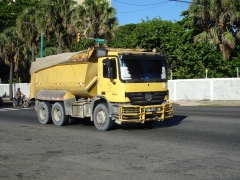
58,114
44,112
101,118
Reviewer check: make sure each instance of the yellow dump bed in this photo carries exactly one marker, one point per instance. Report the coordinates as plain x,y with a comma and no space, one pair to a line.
74,72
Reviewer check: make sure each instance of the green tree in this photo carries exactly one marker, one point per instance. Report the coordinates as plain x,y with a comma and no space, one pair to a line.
148,34
27,30
6,18
218,21
3,72
95,19
11,48
185,58
9,11
156,33
85,44
124,37
54,18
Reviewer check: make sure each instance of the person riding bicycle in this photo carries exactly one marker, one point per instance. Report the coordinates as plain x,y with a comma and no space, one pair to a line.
19,96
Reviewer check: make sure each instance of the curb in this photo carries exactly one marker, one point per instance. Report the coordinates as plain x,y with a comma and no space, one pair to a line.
206,103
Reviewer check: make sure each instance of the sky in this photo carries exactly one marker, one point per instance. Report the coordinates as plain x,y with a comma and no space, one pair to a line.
133,11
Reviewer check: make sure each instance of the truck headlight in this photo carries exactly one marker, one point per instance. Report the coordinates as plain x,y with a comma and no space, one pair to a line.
150,109
159,109
147,110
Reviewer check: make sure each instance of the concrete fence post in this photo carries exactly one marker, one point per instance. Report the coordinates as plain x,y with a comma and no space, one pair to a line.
211,90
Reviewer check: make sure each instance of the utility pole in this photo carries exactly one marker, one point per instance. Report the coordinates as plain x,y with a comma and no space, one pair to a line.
41,49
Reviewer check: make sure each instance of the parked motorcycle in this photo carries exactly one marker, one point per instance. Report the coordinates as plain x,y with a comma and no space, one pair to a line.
24,102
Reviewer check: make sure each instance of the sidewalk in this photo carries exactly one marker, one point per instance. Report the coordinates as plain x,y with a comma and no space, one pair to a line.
8,101
207,103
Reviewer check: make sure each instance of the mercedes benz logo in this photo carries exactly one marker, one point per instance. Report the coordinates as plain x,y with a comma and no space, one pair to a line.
148,96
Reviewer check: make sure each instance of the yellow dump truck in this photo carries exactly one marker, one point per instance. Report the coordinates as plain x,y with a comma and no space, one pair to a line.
106,85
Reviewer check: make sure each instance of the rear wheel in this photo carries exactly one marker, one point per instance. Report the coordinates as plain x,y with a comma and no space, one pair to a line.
44,112
58,114
101,118
25,104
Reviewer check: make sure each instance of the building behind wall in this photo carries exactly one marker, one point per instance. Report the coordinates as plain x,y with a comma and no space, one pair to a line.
79,2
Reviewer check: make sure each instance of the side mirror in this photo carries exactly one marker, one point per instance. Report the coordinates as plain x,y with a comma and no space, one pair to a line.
101,52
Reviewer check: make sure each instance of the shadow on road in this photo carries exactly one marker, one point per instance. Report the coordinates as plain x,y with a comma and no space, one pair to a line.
85,121
174,121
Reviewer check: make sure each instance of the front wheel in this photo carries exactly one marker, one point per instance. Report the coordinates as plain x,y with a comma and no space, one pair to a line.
14,102
101,118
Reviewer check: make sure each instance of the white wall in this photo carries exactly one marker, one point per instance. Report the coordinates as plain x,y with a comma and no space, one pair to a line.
204,89
4,89
182,89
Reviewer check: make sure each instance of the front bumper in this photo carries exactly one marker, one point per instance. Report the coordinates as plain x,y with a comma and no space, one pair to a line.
140,114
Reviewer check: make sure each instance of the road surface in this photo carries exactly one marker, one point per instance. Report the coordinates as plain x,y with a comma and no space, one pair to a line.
200,142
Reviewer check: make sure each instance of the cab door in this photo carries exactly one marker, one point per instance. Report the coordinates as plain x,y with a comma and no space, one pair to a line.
108,81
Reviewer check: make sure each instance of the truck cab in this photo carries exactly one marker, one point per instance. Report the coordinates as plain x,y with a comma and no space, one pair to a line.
135,86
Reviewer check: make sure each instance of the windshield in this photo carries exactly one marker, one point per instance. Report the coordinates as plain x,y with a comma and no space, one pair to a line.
142,70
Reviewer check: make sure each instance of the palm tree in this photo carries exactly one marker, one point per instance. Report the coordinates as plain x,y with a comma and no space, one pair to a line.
53,17
27,30
11,48
95,19
219,21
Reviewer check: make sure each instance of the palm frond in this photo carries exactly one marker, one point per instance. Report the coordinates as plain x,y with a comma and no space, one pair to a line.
238,34
213,37
201,38
229,39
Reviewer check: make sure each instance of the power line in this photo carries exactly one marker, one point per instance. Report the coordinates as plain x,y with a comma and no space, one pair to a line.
153,6
150,4
180,1
139,4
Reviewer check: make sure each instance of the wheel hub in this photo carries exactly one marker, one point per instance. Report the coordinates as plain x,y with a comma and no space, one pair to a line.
57,114
42,113
101,117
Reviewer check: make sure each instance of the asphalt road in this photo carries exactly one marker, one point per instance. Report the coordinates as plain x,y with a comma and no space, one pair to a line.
200,142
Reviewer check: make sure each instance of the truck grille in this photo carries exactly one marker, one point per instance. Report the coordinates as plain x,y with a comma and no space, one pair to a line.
140,99
131,113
